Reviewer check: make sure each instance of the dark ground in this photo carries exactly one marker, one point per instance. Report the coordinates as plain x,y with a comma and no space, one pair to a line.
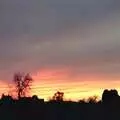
37,109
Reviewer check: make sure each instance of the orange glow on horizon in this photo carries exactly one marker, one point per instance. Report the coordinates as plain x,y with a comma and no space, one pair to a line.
4,88
75,88
47,82
74,91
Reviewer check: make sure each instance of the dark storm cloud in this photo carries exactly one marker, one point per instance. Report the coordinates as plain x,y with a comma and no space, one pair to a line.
52,33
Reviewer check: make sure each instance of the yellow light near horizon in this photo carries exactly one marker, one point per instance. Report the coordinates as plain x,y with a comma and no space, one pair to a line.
74,88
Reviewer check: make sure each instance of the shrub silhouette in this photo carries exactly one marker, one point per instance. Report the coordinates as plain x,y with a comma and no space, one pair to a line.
92,99
35,97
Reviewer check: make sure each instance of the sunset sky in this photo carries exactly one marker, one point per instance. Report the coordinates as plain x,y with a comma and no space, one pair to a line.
67,45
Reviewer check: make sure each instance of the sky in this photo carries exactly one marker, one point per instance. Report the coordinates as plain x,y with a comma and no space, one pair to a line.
67,45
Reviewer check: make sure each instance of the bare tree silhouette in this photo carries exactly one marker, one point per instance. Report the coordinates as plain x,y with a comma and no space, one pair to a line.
22,83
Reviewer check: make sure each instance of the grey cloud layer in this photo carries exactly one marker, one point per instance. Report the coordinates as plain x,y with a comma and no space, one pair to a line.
28,17
83,34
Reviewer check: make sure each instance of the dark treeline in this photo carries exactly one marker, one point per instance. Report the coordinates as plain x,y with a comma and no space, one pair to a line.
33,108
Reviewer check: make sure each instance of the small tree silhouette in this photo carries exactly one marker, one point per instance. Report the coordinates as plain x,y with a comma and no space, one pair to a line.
22,83
58,96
